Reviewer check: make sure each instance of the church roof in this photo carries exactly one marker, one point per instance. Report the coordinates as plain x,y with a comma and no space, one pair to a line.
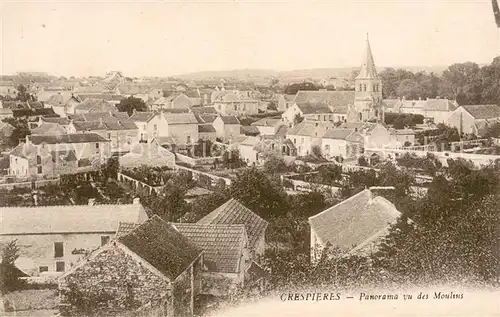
368,70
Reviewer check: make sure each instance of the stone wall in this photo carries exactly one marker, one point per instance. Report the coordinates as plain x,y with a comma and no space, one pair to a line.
113,282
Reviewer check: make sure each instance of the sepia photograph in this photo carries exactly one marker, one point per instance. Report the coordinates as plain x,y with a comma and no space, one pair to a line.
241,158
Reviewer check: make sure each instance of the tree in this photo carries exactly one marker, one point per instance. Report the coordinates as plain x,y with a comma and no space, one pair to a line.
297,119
130,104
330,174
256,191
21,130
22,93
275,164
293,88
204,205
362,161
316,151
9,274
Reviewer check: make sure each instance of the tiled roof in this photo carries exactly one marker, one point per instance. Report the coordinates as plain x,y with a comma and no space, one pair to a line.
204,110
332,98
230,120
88,126
354,221
250,141
180,118
339,134
206,128
282,130
222,244
62,98
483,111
208,118
289,97
140,116
312,108
125,227
150,154
67,138
90,103
162,246
233,212
60,121
439,105
175,110
100,116
308,128
48,128
55,219
249,130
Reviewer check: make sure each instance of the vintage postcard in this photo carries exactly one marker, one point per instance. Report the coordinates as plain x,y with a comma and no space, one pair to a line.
250,158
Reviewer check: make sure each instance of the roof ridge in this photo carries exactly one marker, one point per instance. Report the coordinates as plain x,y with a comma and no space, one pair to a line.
80,205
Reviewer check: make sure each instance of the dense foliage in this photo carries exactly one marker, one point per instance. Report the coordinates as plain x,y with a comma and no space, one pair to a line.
130,104
403,120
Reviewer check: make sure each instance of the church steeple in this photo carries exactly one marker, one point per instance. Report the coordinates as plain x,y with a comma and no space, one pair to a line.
368,70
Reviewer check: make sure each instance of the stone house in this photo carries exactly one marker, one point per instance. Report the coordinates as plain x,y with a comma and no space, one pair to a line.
306,135
182,127
344,143
152,262
122,134
402,137
254,150
48,128
227,127
63,103
283,101
233,212
314,112
54,238
61,121
267,126
148,125
474,119
355,225
174,101
207,132
85,145
234,103
438,110
5,112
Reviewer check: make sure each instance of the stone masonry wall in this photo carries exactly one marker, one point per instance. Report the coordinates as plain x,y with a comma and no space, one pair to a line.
114,282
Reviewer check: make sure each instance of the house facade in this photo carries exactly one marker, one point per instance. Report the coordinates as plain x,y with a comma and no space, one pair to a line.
153,262
148,125
227,127
474,119
94,105
49,243
342,143
234,103
174,101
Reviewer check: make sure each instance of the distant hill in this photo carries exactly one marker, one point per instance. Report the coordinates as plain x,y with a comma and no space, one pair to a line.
314,73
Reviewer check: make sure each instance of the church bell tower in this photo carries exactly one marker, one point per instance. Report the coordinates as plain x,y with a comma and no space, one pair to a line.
368,96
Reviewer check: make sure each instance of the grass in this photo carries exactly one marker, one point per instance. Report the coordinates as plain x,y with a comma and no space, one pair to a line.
42,299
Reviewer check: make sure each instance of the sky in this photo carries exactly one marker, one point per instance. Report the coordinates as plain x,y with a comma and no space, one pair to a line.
168,38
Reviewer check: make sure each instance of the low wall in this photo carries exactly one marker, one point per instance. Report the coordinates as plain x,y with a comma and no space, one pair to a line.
197,173
303,186
197,161
136,184
29,184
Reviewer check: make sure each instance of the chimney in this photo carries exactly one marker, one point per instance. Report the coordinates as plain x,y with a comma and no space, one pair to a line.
136,201
387,192
91,201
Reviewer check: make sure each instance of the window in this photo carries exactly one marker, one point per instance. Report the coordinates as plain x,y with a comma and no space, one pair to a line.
327,147
364,87
97,145
109,135
43,269
235,107
58,249
60,266
188,139
155,127
38,159
104,240
360,87
294,141
39,169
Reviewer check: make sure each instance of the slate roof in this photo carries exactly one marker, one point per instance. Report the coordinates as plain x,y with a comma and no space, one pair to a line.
222,244
162,246
54,219
206,128
332,98
140,116
354,221
180,118
233,212
483,111
67,138
230,120
313,108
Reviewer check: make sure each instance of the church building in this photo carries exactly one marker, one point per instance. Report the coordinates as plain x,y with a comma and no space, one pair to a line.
368,93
